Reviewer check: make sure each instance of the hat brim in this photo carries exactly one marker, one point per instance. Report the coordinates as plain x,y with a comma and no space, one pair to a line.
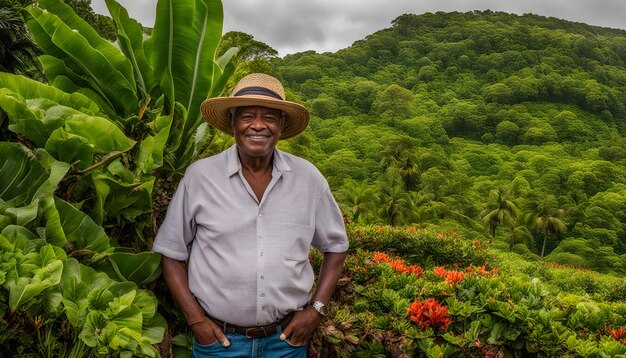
216,112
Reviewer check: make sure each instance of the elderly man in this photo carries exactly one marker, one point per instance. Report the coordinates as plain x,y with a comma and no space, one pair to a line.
237,234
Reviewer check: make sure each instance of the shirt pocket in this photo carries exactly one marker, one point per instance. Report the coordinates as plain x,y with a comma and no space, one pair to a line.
297,241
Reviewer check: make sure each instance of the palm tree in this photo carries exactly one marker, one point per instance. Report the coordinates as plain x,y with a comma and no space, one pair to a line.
500,210
401,154
356,198
395,203
549,224
18,52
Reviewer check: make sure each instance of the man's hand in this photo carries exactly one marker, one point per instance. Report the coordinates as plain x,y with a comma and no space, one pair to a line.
207,332
302,326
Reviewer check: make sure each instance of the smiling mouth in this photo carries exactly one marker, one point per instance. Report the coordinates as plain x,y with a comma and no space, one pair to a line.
258,137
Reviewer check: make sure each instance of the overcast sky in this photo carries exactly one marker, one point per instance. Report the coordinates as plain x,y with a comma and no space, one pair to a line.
329,25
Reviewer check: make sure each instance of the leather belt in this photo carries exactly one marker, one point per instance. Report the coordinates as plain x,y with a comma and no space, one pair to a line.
255,331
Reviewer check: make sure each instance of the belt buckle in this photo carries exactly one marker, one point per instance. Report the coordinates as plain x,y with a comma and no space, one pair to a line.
255,332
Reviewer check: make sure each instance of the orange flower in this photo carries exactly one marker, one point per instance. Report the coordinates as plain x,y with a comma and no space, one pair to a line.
619,334
454,277
440,271
411,229
398,265
416,270
441,235
379,227
429,314
381,257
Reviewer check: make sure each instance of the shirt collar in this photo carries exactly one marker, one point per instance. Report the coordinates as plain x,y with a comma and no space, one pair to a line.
234,165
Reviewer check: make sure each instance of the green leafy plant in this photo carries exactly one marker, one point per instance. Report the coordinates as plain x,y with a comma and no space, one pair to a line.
113,122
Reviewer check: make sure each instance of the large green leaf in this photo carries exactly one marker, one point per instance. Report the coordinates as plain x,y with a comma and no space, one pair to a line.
28,88
150,155
65,79
154,328
117,196
25,288
130,40
77,282
140,268
80,229
28,181
68,134
208,17
110,315
82,136
96,66
106,48
22,119
83,59
21,174
18,238
183,44
222,72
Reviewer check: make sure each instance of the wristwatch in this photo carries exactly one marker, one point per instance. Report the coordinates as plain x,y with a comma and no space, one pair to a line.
320,307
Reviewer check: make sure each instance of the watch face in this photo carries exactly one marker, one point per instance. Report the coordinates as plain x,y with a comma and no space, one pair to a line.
323,310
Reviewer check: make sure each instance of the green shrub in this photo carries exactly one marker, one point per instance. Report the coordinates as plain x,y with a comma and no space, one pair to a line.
566,258
431,245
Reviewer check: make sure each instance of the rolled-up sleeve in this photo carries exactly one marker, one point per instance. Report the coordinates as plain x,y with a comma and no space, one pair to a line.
178,227
330,232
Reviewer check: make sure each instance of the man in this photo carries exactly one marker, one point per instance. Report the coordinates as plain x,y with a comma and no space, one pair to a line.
236,237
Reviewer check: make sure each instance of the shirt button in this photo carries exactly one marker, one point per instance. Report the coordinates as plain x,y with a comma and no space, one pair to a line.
261,253
260,214
262,277
262,295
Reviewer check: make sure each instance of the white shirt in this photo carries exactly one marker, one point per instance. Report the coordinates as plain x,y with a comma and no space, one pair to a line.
247,260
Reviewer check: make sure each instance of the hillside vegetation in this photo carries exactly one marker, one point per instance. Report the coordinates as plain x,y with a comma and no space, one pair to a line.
512,125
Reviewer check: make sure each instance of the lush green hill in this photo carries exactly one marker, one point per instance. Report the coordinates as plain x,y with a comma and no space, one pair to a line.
451,115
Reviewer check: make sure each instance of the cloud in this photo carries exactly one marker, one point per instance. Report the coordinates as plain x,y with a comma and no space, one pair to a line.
329,25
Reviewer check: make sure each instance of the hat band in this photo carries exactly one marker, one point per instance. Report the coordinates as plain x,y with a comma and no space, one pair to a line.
260,91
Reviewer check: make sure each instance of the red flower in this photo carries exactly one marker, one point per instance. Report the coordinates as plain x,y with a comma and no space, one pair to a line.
416,270
619,334
440,271
381,257
429,314
398,265
454,277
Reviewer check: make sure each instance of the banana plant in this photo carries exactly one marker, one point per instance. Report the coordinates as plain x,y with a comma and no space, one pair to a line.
95,154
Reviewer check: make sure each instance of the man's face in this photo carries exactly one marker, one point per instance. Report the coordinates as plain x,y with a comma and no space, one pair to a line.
257,129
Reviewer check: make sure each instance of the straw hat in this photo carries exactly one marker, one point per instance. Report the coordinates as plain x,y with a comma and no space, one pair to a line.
256,89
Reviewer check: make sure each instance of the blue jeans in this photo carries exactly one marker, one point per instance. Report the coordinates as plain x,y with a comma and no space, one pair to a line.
242,347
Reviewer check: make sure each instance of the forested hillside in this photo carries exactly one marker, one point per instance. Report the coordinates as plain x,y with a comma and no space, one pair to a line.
512,125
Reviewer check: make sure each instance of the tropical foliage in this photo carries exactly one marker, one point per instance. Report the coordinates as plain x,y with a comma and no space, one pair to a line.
18,52
401,305
88,167
512,125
